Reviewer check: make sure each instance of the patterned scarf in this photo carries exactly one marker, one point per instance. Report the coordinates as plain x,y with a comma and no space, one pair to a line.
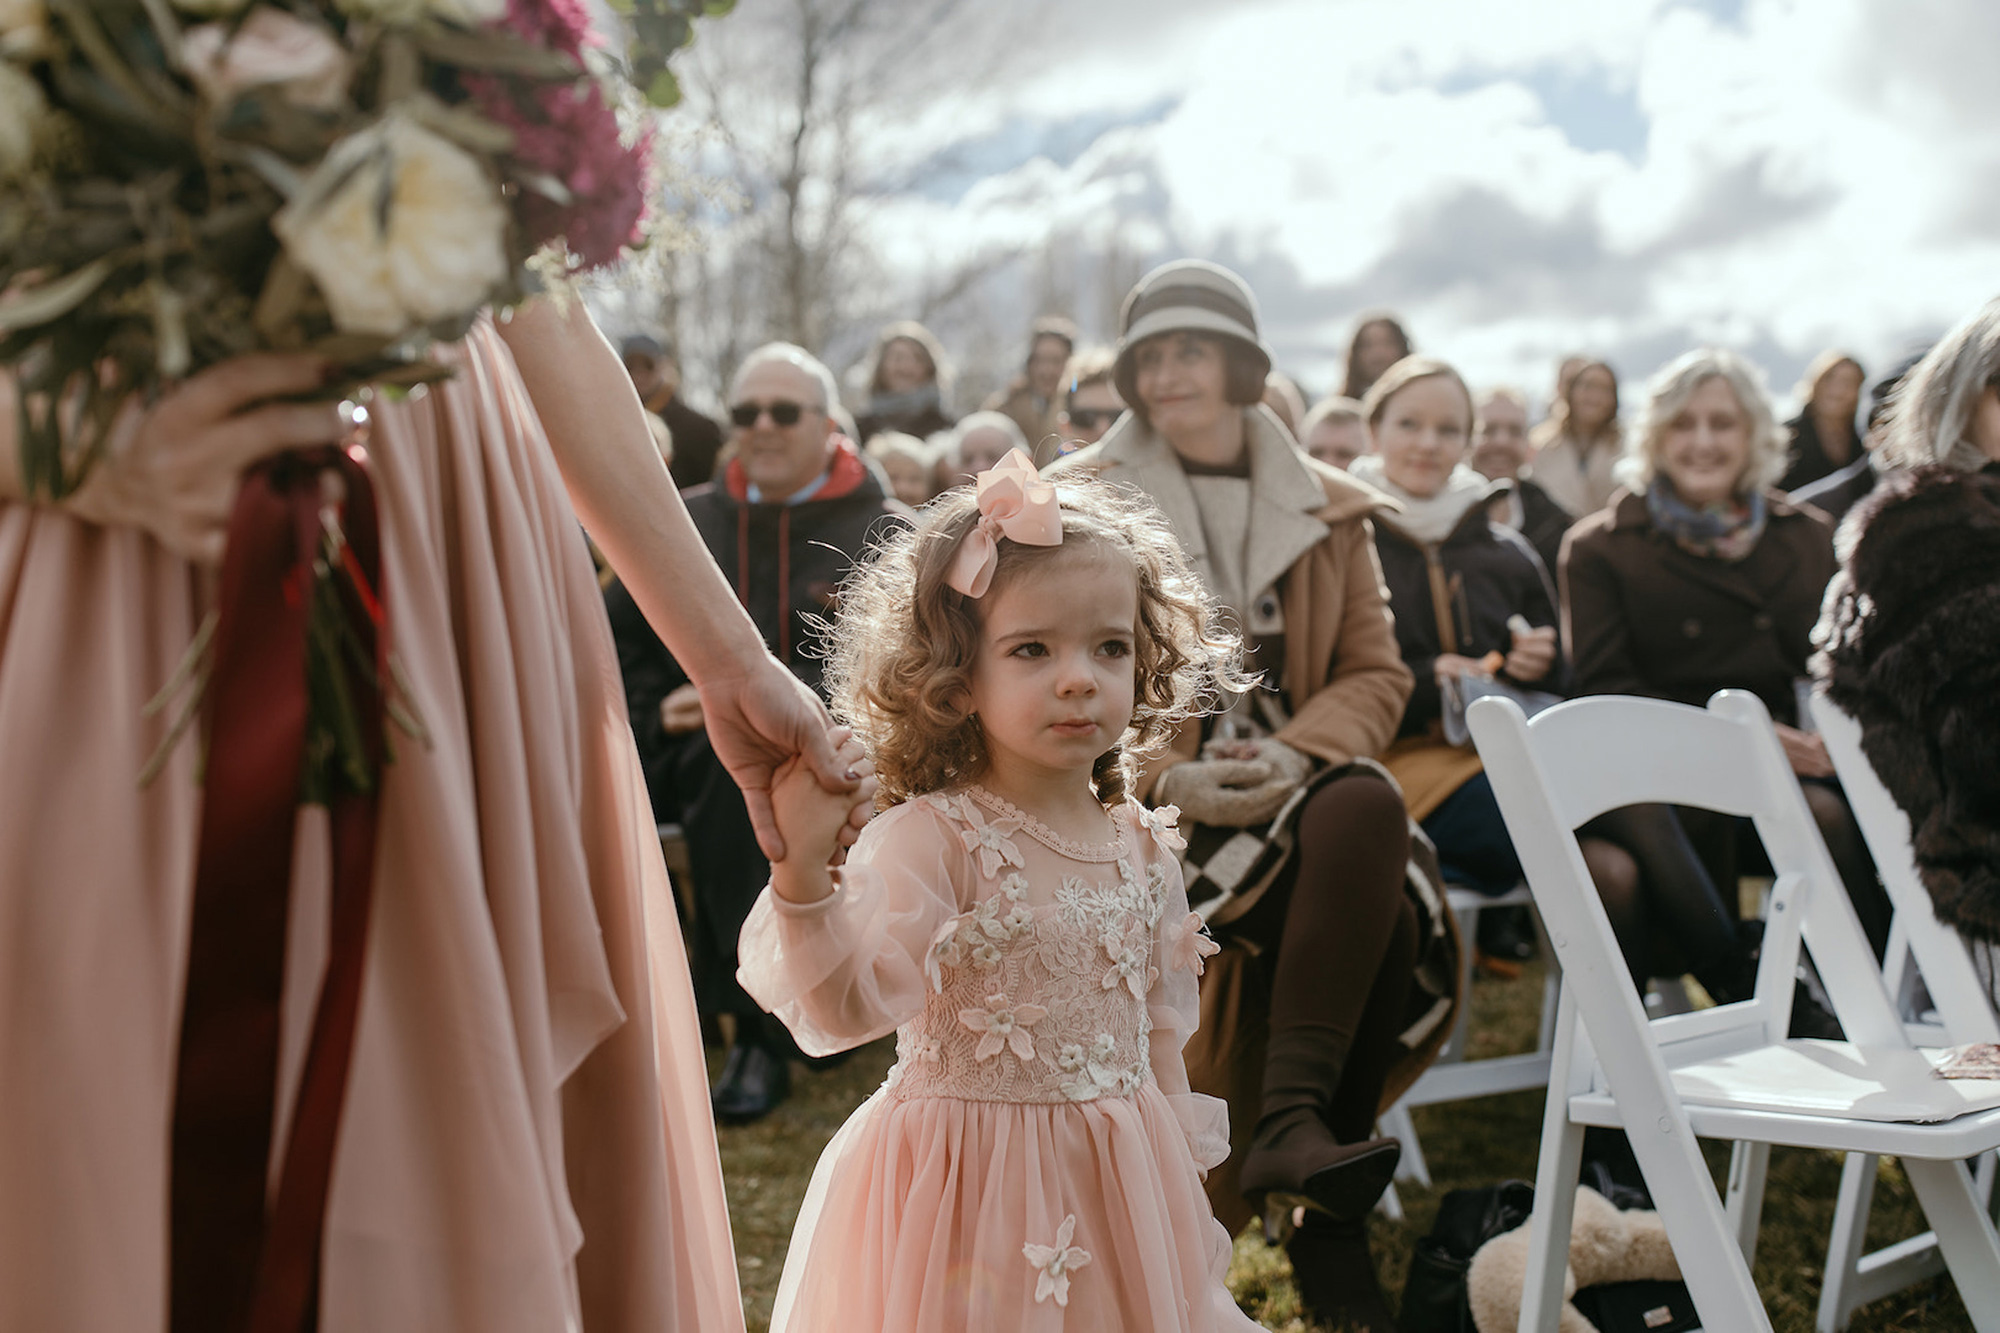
1727,531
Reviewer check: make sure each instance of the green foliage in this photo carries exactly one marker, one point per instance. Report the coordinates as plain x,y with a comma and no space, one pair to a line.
659,29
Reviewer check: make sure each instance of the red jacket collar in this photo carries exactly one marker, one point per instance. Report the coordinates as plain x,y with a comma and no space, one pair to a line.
845,473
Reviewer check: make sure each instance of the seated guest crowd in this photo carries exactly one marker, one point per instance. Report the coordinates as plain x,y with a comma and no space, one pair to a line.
1388,553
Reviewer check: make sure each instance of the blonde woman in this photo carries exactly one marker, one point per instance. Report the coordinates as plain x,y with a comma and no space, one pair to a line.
1701,578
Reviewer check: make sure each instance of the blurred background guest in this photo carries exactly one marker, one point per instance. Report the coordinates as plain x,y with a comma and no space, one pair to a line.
1471,599
976,444
1837,492
1565,372
794,507
1576,447
696,440
1702,578
1912,618
1379,342
908,381
1282,396
1090,401
909,464
1823,437
1500,452
1333,432
1031,398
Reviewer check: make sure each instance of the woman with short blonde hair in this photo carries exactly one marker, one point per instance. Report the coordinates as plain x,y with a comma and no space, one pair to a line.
1667,398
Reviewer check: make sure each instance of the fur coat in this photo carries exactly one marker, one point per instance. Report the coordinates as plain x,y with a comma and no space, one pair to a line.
1910,647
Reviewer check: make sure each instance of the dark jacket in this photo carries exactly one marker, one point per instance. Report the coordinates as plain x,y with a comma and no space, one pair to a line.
1543,522
1911,649
1489,573
1809,458
1837,492
784,561
697,441
1643,616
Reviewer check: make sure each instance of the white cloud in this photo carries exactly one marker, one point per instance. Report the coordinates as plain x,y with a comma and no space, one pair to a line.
1811,172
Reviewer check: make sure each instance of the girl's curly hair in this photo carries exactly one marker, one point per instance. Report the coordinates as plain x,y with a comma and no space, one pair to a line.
900,651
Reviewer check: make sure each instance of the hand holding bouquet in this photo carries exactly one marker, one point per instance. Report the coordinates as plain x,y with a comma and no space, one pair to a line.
182,181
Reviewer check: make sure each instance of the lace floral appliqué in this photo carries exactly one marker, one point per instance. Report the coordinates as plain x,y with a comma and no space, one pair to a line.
1001,1024
1056,1262
1188,944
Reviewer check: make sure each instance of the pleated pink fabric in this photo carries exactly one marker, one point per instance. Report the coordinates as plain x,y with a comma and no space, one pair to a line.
527,1143
1033,1160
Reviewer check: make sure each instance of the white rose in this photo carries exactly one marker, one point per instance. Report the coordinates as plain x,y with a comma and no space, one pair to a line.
398,227
23,111
270,47
24,29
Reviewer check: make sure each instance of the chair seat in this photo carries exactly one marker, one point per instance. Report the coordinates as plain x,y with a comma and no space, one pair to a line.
1830,1094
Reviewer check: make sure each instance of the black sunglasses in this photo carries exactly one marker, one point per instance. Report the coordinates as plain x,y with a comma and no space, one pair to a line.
782,413
1086,418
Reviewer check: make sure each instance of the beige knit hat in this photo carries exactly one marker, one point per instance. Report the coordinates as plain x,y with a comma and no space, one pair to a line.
1186,295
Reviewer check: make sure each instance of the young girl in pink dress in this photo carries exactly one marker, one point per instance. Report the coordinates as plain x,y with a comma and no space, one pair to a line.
1034,1159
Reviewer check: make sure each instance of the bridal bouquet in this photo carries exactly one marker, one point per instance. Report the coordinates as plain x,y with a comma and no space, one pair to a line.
185,180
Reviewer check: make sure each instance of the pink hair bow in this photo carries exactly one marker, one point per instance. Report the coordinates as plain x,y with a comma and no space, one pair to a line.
1015,503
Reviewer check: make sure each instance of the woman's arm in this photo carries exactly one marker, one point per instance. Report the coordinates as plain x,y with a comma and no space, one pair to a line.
758,714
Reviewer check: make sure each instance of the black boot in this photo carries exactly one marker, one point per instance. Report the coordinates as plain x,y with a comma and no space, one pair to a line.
1294,1160
1335,1274
754,1081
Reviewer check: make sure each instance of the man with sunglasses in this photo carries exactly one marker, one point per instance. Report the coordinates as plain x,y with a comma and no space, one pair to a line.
1090,401
792,507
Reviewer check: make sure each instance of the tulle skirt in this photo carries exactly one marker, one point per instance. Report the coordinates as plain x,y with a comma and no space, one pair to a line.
920,1209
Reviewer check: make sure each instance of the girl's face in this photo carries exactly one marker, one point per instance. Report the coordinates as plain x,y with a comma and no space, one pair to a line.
1593,397
1053,679
905,366
1182,379
1707,445
1376,348
1422,434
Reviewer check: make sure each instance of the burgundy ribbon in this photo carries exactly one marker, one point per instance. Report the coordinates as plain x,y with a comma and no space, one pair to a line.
236,1265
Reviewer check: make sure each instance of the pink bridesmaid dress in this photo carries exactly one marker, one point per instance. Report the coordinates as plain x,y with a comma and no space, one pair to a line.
1032,1162
526,1144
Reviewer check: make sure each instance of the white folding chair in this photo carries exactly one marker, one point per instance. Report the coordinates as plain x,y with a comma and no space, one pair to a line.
1728,1072
1963,1013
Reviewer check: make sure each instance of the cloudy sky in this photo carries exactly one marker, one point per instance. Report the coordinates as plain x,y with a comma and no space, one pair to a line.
1519,180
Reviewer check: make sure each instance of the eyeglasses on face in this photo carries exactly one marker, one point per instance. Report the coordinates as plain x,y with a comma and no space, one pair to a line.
783,413
1088,418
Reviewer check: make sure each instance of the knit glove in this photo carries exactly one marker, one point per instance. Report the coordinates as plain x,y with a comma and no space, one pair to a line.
1235,793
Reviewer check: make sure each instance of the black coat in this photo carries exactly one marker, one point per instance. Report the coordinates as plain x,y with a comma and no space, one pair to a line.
697,442
1643,616
1837,492
1543,522
814,544
1809,460
1911,649
1489,572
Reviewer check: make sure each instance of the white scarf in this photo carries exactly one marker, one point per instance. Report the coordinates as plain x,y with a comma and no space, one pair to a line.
1429,519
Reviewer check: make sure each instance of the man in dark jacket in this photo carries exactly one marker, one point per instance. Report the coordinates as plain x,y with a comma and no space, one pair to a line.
656,374
793,510
1500,452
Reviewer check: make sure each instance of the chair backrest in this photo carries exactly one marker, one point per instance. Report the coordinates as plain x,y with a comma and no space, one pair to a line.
1582,758
1964,1005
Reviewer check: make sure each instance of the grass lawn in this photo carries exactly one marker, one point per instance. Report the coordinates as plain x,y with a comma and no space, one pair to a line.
768,1165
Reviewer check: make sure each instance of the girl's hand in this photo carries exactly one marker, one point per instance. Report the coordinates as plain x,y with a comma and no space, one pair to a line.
814,822
173,468
1806,752
1533,653
761,720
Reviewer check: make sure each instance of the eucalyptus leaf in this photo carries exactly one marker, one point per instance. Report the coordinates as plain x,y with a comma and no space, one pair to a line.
664,90
495,52
170,331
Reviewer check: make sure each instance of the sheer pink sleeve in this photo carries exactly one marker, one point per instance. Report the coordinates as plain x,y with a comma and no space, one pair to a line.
852,967
1181,945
